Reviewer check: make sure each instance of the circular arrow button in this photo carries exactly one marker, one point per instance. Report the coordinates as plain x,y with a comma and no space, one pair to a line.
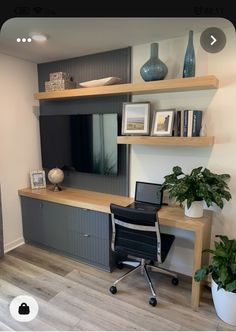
213,40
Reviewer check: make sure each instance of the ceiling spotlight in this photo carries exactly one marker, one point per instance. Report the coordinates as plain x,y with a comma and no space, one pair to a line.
39,37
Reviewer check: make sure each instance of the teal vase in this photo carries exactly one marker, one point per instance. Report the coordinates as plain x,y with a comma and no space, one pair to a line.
189,59
154,69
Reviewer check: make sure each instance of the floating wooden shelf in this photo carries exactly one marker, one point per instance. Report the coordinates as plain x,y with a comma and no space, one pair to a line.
173,85
178,141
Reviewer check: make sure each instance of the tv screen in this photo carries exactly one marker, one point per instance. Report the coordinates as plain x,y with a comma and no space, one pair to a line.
80,142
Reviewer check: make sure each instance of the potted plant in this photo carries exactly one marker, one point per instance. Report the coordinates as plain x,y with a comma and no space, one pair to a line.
194,188
223,273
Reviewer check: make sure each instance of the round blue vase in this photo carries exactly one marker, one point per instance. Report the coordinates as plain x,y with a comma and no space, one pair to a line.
189,58
154,69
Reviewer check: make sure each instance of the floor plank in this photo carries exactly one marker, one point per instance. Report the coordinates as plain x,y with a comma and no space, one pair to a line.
73,296
138,296
50,317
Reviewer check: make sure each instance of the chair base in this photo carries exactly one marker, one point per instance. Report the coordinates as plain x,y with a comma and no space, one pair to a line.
143,267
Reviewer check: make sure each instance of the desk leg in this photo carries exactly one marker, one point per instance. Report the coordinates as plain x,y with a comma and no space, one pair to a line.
197,260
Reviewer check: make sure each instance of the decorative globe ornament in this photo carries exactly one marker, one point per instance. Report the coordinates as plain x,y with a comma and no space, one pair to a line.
56,176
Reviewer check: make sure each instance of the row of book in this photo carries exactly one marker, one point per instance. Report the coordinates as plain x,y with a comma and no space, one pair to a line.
187,123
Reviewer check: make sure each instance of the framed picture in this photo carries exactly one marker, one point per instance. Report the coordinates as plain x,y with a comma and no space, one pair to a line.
37,179
162,124
136,118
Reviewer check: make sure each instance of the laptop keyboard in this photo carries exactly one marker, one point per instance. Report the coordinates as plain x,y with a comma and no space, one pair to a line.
146,206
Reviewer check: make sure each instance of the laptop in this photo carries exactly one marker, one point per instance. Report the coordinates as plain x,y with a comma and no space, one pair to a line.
148,196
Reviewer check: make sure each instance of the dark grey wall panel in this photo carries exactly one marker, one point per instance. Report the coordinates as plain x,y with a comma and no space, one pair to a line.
113,63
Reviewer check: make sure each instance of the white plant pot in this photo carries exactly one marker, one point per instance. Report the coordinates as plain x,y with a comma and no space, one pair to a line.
225,304
195,210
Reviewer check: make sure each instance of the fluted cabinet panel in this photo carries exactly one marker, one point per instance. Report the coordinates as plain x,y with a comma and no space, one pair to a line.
78,233
91,223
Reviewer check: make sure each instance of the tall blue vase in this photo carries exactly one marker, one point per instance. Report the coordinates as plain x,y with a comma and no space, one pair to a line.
154,69
189,59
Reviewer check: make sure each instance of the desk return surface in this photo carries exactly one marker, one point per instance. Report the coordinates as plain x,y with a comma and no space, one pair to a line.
99,204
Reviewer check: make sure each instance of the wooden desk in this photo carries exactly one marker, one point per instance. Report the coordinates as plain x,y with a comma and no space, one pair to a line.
168,216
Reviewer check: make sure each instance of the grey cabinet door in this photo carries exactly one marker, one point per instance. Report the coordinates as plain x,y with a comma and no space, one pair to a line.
90,248
91,222
32,219
56,218
89,236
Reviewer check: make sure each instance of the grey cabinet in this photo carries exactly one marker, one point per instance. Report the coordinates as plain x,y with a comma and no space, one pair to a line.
89,236
80,233
55,218
32,219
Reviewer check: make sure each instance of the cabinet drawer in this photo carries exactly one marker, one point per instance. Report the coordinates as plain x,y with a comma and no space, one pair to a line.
92,223
89,248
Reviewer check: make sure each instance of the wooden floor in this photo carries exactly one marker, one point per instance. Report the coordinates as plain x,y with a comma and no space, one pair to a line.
74,296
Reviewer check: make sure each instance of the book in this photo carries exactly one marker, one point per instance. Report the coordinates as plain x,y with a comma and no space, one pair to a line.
175,125
185,129
181,123
197,122
178,122
190,123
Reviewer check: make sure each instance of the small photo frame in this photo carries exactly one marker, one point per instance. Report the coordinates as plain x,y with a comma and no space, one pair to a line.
162,124
37,179
136,118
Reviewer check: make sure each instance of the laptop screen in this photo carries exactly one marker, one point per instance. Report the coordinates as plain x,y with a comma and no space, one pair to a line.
148,193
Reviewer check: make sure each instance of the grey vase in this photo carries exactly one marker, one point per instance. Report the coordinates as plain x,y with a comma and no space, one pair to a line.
154,69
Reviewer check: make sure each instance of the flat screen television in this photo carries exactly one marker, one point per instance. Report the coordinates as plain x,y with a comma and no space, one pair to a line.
80,142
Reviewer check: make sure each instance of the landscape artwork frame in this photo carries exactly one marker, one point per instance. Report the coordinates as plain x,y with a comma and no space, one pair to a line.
136,118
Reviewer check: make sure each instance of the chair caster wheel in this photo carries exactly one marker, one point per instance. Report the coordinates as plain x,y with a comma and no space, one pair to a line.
153,301
175,281
113,289
120,265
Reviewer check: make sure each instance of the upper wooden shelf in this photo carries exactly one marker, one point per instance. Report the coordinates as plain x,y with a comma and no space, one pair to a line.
172,140
173,85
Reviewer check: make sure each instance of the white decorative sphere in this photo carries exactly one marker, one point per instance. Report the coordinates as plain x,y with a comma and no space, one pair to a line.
55,175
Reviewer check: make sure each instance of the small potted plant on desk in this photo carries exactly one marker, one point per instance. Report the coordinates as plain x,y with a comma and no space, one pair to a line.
195,188
223,273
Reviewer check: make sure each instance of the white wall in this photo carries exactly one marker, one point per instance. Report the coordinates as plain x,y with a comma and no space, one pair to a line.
19,140
151,163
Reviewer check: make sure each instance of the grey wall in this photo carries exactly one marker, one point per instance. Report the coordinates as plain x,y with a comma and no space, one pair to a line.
113,63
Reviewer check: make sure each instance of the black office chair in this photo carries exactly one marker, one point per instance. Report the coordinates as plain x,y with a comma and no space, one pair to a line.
136,233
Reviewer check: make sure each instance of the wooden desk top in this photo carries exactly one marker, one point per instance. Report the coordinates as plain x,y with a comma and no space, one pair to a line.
168,215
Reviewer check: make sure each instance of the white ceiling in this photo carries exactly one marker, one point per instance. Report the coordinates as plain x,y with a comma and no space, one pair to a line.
72,37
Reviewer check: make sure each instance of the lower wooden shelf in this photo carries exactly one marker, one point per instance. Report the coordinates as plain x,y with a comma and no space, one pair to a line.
178,141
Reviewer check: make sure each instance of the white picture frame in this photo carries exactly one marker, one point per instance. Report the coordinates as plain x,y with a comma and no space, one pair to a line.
37,179
136,118
162,124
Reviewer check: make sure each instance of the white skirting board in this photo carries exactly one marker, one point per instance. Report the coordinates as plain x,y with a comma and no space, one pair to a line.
14,244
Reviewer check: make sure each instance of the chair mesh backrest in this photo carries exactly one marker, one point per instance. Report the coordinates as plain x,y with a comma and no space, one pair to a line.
138,242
